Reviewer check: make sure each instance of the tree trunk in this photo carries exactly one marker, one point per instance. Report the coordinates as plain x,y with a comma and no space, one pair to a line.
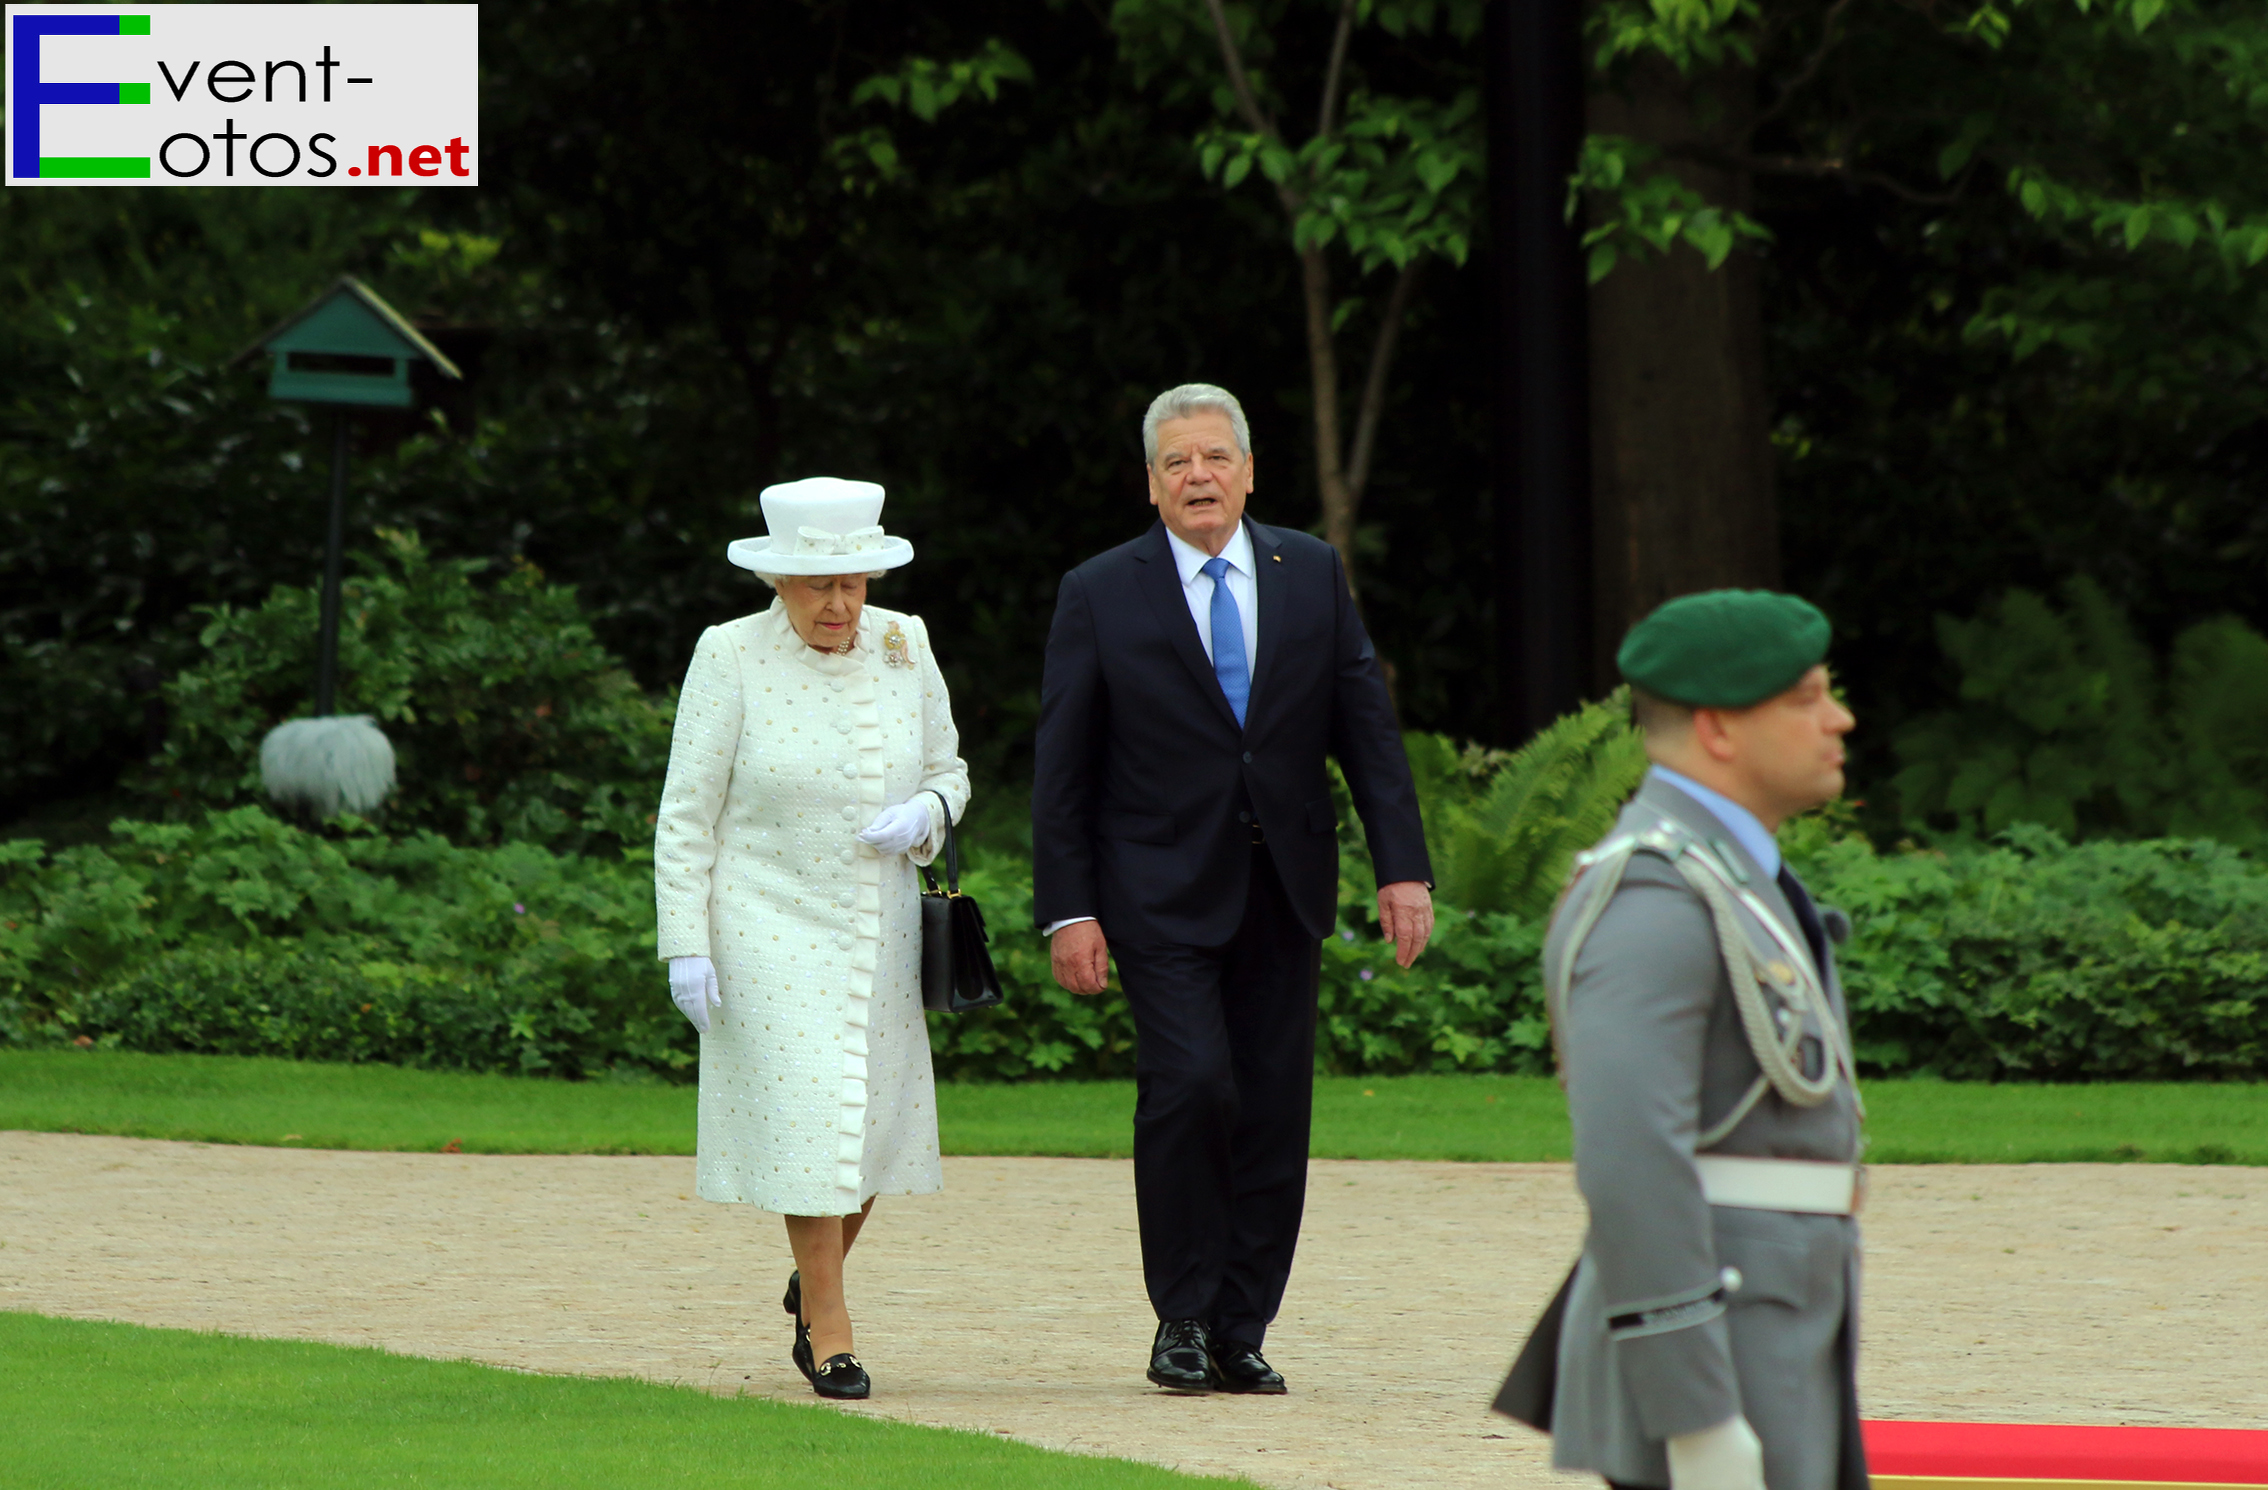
1681,457
1323,380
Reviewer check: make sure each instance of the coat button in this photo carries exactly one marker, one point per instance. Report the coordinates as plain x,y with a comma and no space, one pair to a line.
850,856
851,769
836,684
1244,817
1248,757
842,941
850,814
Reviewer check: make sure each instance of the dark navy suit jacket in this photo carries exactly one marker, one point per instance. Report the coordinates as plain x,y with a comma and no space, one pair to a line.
1146,789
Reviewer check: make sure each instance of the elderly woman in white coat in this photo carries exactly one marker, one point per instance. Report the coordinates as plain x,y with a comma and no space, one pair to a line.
813,767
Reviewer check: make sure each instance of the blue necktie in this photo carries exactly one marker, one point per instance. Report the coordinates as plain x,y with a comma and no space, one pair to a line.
1228,640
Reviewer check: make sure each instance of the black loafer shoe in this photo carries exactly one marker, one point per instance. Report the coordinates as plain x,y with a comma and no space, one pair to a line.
842,1377
792,1300
1179,1360
1239,1368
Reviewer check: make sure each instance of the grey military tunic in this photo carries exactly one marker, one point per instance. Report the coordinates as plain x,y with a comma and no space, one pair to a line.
1682,1314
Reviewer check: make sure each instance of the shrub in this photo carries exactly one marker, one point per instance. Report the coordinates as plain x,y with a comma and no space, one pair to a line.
2067,720
2029,958
509,720
243,934
2038,960
1502,828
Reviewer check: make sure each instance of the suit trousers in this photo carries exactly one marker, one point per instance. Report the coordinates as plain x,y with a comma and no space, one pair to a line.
1224,1072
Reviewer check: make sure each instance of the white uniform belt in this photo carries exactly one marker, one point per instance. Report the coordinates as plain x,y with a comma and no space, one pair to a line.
1807,1185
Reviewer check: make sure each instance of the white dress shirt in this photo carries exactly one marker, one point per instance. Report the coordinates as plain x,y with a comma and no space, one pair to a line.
1197,589
1746,830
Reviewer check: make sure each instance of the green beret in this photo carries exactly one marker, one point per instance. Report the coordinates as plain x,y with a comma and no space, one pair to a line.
1724,649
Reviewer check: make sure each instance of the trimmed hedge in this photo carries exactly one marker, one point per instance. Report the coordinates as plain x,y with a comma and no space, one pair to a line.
2028,958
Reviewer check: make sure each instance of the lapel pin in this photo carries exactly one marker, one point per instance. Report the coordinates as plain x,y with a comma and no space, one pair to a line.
1279,558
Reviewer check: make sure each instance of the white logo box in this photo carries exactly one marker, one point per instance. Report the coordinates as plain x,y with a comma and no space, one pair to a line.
243,95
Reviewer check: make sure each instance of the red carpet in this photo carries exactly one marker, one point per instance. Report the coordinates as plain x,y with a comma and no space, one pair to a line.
2046,1451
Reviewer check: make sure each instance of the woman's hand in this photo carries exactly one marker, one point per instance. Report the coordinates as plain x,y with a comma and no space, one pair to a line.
898,828
693,988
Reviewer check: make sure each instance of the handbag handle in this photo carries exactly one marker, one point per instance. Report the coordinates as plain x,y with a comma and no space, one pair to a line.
952,850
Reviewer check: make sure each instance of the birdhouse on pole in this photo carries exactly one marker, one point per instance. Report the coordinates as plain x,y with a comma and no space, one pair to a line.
349,349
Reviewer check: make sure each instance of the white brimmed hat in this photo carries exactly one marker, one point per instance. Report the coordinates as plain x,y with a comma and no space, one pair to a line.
821,525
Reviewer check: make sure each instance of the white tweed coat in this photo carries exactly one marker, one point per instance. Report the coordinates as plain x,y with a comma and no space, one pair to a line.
816,1091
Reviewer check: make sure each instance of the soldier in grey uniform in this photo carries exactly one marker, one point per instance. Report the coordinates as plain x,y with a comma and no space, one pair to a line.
1707,1337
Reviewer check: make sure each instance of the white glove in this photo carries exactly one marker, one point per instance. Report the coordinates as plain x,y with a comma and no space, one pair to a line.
1726,1457
898,828
693,988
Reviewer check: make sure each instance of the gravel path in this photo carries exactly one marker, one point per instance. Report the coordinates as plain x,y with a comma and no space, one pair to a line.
1013,1302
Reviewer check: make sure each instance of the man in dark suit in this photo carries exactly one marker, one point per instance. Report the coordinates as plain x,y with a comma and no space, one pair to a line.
1182,819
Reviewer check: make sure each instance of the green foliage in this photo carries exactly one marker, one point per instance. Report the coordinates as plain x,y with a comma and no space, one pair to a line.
927,88
1690,33
2068,720
2029,960
1037,1029
508,718
1399,181
1501,829
1632,217
241,934
2039,960
1394,174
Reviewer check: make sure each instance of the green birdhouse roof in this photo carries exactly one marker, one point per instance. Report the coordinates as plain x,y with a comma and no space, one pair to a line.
349,320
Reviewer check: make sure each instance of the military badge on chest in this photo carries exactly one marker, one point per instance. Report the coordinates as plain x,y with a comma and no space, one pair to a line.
894,653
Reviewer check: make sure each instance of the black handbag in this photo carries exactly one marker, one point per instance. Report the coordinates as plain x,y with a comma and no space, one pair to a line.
957,974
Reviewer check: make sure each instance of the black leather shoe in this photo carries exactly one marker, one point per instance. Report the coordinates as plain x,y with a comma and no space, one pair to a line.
1179,1360
1238,1368
841,1376
792,1300
801,1355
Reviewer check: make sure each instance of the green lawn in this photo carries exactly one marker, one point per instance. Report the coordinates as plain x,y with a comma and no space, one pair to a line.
114,1406
223,1099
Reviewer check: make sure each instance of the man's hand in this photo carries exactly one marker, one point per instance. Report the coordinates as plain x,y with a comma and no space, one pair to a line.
1081,957
1405,915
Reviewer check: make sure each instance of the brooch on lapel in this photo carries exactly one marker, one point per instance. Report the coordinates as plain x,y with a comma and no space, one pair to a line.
894,652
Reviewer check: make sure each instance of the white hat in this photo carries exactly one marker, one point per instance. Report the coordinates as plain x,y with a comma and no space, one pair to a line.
821,525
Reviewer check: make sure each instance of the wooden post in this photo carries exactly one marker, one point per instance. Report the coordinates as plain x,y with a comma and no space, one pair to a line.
327,638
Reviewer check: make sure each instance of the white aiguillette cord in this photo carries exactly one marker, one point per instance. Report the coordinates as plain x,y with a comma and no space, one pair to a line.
1778,1054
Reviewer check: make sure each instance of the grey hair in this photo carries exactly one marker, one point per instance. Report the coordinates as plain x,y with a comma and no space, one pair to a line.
777,580
1188,399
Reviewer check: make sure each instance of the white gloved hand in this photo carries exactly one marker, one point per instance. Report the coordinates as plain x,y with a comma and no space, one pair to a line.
693,988
1726,1457
898,828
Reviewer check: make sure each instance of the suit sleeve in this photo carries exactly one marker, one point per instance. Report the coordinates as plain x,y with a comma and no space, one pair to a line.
1067,763
942,769
1368,745
702,745
1636,1025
